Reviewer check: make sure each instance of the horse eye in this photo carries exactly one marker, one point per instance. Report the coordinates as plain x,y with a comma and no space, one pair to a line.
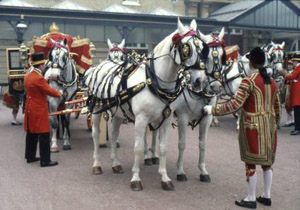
186,50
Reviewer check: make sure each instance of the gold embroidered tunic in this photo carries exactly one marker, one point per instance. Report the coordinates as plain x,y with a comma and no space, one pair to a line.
260,113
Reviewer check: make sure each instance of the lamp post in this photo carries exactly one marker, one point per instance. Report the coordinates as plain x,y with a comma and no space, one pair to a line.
20,27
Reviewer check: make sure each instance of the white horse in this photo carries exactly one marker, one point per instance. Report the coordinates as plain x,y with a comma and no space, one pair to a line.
159,85
276,58
61,65
116,52
202,89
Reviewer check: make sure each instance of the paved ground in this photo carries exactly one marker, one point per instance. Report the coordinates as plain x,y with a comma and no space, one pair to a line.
71,184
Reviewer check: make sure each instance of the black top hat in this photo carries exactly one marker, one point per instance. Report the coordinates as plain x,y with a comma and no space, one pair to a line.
257,57
38,58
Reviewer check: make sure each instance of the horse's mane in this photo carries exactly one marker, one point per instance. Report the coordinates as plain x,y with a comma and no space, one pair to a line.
165,41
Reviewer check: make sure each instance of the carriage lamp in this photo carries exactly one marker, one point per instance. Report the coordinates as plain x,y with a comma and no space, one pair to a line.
92,49
23,54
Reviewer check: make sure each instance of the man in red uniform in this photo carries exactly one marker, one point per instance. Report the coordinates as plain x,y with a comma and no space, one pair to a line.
36,122
258,99
294,79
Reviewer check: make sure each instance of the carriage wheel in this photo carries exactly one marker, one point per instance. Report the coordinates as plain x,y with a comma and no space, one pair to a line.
89,122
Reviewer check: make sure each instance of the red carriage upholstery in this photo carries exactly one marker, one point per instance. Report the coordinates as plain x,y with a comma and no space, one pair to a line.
232,52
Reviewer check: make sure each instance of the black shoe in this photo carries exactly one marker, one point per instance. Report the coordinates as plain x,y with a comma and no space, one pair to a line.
16,123
265,201
246,204
295,133
33,160
50,163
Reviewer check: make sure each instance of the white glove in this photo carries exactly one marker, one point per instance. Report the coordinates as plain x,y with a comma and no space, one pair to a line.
207,109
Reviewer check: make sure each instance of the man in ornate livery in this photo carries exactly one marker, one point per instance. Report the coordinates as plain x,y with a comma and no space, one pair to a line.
287,101
294,79
36,122
258,99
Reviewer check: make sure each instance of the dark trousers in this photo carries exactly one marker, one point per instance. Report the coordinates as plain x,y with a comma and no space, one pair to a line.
297,117
31,145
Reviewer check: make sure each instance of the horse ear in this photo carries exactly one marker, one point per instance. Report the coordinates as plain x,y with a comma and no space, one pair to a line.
110,45
283,44
122,44
65,42
222,33
181,29
272,43
193,25
202,36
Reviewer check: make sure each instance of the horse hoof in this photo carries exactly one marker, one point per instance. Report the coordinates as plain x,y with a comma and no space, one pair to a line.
97,170
54,149
118,145
181,178
67,147
118,169
204,178
148,162
155,160
136,186
168,186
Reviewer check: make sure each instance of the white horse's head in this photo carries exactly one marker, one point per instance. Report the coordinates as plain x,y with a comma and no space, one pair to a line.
216,59
276,56
58,57
116,52
186,48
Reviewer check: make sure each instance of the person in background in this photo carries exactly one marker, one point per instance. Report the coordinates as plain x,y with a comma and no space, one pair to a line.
36,122
288,108
294,80
258,99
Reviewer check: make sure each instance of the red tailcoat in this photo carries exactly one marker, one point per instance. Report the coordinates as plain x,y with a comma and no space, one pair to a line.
294,79
36,108
260,109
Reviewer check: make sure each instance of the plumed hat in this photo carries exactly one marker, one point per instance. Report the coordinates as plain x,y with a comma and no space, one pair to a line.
38,58
257,57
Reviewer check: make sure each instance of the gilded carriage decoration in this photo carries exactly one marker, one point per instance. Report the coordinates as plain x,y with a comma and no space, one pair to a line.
80,49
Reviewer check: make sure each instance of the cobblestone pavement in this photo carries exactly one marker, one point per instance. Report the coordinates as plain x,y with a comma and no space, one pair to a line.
71,184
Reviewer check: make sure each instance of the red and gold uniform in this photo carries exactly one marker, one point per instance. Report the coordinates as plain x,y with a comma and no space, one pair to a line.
36,108
260,110
294,81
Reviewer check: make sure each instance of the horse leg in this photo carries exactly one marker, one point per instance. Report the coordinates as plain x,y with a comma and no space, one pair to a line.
147,155
54,126
116,166
66,136
182,122
140,131
203,130
155,159
163,134
53,105
95,134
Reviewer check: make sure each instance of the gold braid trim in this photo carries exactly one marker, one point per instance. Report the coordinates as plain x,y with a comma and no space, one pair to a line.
86,60
39,42
80,42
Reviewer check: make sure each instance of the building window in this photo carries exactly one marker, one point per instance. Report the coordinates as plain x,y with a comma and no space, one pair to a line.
131,2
